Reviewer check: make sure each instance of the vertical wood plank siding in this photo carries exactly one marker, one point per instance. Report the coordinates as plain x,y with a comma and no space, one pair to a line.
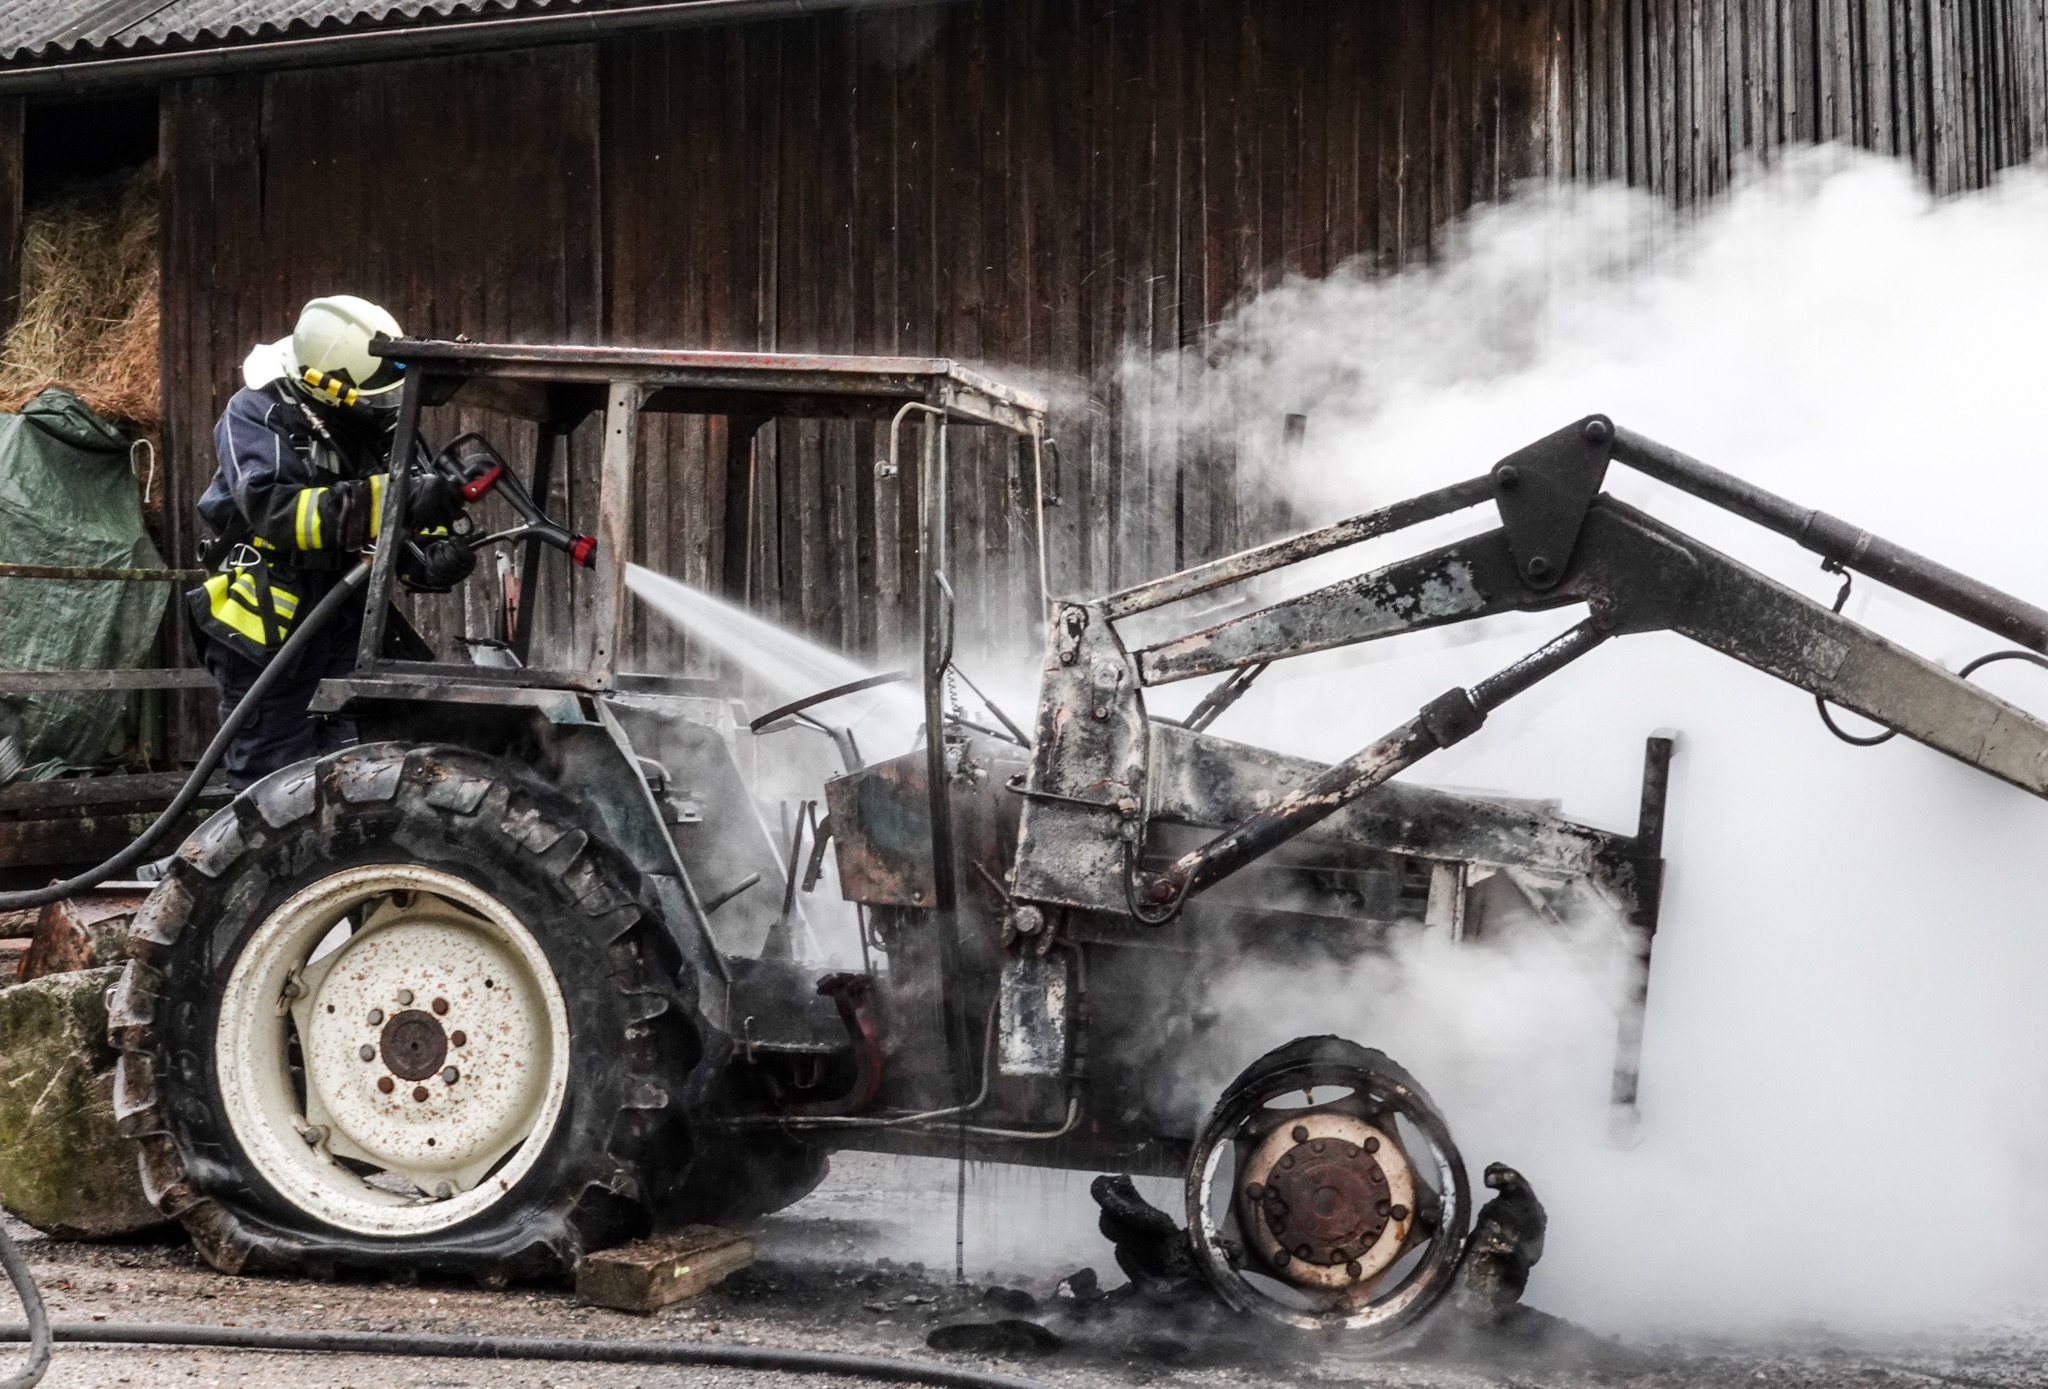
11,152
1040,185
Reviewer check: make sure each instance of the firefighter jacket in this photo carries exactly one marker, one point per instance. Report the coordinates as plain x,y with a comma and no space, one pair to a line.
297,494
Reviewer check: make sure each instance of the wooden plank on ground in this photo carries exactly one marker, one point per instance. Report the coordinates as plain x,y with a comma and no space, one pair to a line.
649,1274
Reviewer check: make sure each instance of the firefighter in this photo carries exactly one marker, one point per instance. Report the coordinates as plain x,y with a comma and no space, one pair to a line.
304,454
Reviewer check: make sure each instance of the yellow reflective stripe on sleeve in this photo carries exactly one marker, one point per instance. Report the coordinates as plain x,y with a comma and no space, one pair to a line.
376,502
308,517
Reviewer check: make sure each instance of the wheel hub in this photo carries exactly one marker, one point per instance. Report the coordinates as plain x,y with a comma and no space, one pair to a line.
413,1045
1327,1199
431,1049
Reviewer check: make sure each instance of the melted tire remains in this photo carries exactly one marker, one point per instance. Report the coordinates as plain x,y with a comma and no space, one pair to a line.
1345,1213
448,845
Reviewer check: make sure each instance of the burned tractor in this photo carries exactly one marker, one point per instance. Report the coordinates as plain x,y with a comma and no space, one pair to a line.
490,990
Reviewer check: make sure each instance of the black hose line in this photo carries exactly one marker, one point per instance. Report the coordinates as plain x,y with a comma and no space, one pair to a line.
287,656
426,1344
37,1332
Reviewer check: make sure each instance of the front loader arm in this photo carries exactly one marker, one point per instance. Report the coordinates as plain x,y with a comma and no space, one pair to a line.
1636,574
1561,543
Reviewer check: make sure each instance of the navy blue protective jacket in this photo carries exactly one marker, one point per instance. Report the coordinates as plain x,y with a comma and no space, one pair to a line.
307,489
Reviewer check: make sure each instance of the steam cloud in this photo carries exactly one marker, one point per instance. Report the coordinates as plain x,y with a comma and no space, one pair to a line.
1846,1071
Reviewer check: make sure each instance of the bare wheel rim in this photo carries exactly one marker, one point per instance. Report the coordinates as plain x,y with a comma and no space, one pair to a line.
1381,1144
392,1050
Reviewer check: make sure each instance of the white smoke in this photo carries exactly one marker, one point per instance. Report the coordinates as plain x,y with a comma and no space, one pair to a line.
1846,1072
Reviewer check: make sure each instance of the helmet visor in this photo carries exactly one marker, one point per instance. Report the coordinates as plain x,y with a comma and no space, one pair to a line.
384,381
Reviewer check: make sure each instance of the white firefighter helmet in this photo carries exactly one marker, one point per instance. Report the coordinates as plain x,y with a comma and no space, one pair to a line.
328,354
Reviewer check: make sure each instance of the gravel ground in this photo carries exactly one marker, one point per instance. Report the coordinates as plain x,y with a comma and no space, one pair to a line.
834,1274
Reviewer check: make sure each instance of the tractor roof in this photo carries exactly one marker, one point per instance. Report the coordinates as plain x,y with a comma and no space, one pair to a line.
562,383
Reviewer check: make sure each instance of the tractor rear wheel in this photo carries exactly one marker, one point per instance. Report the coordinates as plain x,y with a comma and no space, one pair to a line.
401,1009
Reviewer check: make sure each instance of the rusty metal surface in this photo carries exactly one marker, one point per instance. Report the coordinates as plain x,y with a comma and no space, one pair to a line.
1032,1017
1264,559
1084,797
1201,779
83,932
38,681
1446,585
768,384
882,833
1327,1199
77,571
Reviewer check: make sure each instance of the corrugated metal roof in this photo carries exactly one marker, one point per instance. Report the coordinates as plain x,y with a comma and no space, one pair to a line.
54,30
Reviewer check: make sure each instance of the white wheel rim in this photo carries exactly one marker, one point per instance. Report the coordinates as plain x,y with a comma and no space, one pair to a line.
433,964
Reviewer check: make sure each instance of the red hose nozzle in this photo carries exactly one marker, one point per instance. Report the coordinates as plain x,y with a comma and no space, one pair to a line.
583,549
483,482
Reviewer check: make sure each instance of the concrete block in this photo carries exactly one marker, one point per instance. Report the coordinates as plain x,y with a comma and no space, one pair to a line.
652,1273
64,1167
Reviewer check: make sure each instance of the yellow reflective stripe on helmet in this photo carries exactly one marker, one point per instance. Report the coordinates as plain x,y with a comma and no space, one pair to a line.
376,502
336,388
308,518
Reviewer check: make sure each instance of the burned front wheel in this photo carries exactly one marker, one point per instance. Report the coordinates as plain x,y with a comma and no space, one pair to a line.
1325,1192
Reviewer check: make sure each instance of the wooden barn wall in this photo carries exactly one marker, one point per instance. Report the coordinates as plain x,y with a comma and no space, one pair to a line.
1043,186
462,195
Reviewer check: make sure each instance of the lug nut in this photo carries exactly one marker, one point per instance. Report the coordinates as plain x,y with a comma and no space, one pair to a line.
1351,1270
367,1052
1256,1192
376,1017
405,998
419,1092
1372,1145
384,1084
1300,1134
458,1039
1397,1213
1281,1258
439,1005
451,1075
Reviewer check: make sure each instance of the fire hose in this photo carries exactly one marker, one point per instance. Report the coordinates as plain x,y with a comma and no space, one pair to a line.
280,665
481,473
769,1359
42,1336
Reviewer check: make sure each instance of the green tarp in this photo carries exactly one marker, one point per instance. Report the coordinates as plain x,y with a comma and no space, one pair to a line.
69,497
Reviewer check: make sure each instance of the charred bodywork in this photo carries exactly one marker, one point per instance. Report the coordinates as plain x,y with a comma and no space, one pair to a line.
1047,904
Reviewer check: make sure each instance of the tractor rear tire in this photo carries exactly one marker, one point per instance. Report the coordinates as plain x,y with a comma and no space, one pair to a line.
299,1116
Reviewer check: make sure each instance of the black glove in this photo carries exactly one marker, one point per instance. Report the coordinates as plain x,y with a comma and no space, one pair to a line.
432,501
435,564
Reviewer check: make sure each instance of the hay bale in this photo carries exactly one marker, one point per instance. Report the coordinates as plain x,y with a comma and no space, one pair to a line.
88,316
